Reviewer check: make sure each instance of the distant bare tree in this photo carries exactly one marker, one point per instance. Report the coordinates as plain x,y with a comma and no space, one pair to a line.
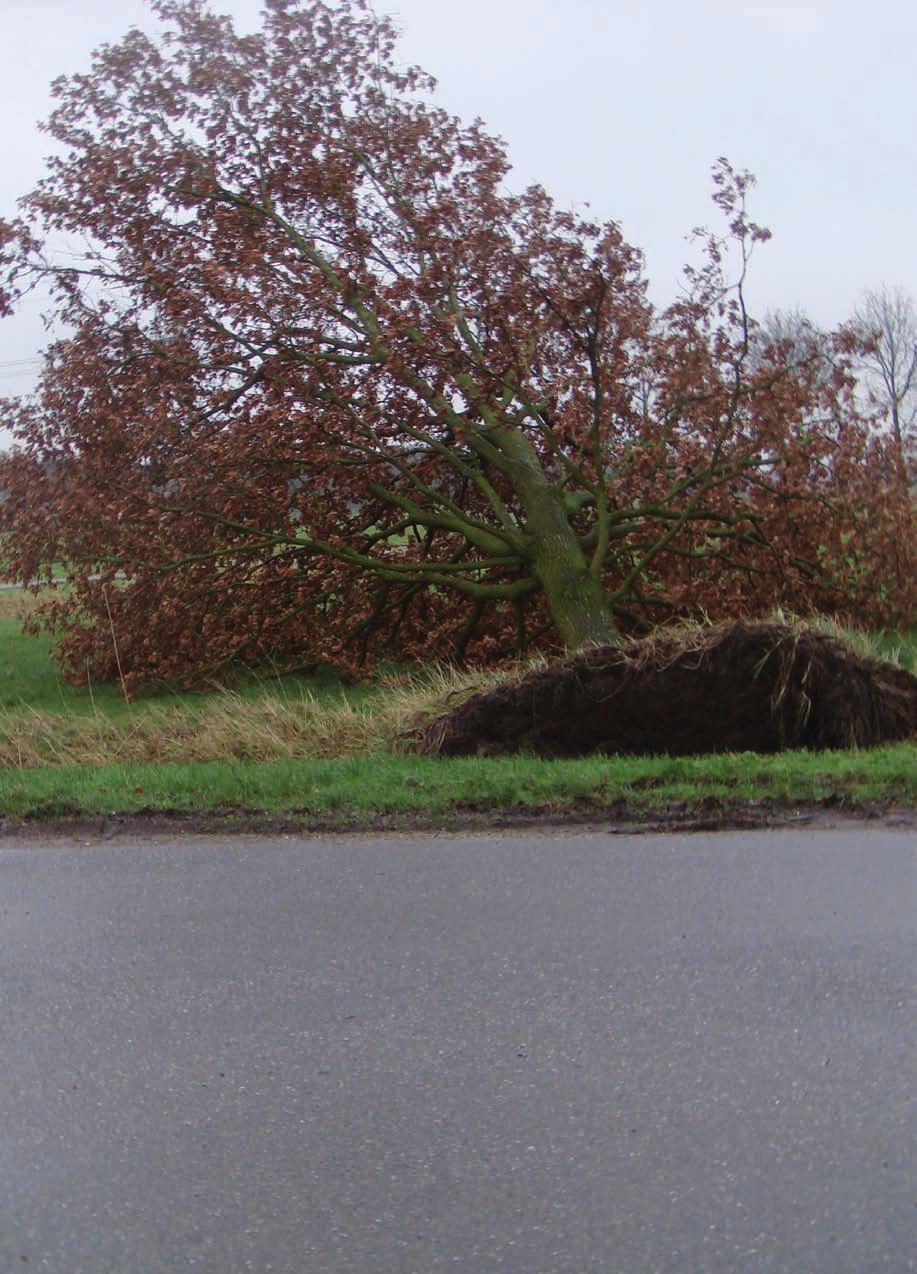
887,319
791,337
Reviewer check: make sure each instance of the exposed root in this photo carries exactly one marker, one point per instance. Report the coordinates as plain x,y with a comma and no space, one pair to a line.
740,687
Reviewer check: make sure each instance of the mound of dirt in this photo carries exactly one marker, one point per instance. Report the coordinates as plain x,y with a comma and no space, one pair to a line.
743,687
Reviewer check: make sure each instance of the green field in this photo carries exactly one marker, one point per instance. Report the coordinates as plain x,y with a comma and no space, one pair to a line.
335,752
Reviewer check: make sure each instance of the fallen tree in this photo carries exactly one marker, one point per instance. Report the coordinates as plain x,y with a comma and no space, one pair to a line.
330,391
735,688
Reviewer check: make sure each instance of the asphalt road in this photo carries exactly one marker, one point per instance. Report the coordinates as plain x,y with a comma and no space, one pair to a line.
559,1053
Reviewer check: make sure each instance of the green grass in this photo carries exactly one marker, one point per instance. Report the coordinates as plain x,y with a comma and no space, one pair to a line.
30,678
333,752
357,788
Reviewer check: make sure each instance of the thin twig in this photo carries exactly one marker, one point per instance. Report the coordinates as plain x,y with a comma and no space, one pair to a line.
114,642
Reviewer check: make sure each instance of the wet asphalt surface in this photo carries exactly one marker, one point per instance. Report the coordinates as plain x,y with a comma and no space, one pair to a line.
547,1053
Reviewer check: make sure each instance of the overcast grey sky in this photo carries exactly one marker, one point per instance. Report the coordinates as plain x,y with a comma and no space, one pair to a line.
623,106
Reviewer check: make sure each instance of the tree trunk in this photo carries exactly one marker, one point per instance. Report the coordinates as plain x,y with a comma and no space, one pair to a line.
578,603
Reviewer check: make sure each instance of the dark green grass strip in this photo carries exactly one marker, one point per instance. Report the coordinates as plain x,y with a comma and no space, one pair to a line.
30,678
366,786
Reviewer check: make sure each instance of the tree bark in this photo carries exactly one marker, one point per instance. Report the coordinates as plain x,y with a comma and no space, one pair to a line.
577,601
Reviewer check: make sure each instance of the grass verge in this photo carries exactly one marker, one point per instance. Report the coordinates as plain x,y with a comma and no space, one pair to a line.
363,788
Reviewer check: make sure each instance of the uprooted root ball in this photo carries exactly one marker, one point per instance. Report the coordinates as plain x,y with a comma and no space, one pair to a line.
742,687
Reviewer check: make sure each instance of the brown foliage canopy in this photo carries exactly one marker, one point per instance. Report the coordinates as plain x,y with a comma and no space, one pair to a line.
330,391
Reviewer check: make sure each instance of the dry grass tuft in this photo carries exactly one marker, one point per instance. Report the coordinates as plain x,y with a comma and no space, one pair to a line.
16,603
226,726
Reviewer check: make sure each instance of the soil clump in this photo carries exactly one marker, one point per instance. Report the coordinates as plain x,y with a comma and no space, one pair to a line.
741,687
